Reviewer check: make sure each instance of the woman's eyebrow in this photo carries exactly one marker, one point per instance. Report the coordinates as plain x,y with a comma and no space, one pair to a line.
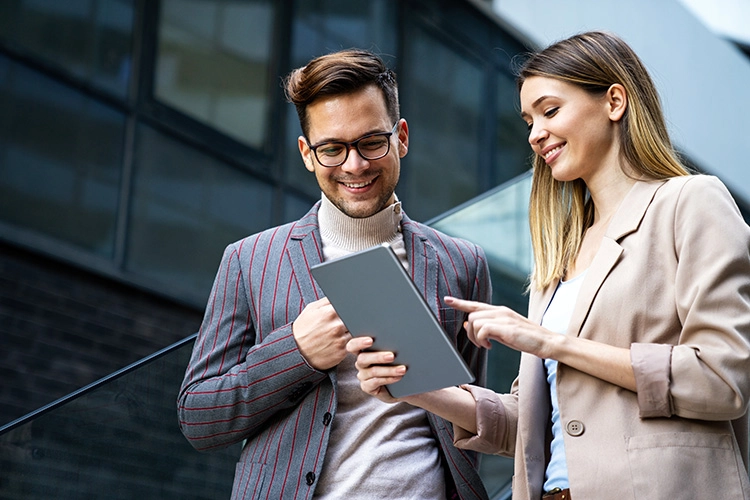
535,104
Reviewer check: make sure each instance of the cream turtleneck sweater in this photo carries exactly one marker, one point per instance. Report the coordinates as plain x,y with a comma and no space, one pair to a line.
343,235
376,450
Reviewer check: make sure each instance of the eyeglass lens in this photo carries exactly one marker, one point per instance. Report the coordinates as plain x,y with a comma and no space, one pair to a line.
369,147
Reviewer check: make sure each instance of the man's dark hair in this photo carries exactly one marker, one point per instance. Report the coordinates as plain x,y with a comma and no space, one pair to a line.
338,73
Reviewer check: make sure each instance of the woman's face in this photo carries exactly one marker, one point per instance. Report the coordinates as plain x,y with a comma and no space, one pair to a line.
572,130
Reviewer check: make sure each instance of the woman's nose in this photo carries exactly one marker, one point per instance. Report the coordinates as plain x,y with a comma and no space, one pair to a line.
537,134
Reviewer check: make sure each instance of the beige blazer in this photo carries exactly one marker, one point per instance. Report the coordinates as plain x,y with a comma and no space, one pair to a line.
671,282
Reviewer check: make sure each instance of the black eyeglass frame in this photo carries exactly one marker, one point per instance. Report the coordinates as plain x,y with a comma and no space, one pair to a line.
354,144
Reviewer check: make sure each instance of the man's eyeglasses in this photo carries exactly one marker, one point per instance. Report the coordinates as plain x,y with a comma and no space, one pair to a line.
369,147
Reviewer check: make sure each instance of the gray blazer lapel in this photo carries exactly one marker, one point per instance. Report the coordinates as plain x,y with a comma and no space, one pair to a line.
423,263
305,249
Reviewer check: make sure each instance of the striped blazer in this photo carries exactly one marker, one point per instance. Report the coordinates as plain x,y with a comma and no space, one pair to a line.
247,380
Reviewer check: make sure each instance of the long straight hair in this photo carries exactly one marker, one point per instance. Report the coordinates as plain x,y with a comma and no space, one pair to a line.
560,212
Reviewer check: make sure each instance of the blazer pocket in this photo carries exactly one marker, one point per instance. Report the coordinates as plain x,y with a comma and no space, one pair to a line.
249,480
673,465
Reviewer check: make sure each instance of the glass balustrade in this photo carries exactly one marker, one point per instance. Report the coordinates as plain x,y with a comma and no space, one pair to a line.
116,439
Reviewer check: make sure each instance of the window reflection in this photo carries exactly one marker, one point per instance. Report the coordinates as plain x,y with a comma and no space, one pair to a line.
90,39
186,207
511,149
443,102
60,160
213,63
323,26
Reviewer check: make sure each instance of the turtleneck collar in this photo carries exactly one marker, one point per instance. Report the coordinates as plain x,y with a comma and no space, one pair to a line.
352,235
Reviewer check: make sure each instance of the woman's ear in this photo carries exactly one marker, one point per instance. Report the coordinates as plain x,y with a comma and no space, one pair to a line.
617,101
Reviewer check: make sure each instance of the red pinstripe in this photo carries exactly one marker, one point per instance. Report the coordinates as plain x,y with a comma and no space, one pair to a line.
238,281
309,274
307,443
448,456
278,449
276,287
205,370
320,444
264,274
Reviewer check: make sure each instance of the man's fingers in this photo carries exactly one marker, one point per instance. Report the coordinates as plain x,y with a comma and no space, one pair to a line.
357,344
368,359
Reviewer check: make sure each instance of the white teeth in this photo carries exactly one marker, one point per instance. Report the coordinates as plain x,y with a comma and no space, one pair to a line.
552,151
358,185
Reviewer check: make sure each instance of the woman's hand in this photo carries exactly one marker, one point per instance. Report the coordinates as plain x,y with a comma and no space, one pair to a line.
502,324
374,370
487,322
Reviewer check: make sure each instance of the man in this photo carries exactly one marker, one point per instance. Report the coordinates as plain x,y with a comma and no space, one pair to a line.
270,364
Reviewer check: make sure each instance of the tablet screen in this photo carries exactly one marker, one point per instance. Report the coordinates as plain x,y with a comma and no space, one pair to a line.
374,296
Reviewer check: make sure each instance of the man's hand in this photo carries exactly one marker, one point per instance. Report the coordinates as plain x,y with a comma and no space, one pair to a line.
373,369
321,335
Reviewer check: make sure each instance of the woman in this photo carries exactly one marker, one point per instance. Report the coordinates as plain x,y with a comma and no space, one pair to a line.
635,369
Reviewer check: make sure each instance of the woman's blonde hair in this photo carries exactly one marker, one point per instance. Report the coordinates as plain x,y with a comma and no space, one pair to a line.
560,212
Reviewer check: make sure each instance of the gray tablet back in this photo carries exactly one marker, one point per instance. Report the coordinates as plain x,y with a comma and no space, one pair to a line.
374,296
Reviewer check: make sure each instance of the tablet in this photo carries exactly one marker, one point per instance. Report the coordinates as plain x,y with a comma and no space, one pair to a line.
374,296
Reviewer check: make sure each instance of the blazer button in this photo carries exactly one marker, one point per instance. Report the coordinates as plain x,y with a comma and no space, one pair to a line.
327,418
574,428
310,478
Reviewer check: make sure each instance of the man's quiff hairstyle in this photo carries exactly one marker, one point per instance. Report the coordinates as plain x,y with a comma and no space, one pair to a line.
339,73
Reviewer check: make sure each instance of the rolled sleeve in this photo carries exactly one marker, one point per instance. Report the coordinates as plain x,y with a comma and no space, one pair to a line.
492,424
651,366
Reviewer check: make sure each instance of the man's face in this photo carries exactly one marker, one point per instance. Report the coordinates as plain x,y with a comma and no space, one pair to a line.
358,187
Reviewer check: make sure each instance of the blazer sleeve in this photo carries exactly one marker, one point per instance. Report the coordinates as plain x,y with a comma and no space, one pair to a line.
706,375
232,387
476,357
496,413
497,422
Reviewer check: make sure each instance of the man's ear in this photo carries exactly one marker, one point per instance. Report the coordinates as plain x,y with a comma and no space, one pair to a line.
617,101
306,153
403,138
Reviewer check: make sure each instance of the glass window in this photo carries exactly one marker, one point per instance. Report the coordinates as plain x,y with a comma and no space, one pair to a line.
213,62
60,160
323,26
91,39
511,148
295,207
186,207
441,98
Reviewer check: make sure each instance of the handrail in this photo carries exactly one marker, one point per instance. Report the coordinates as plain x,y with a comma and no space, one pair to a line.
94,385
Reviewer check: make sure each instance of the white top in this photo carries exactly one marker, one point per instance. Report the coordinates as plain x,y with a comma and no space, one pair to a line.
556,318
